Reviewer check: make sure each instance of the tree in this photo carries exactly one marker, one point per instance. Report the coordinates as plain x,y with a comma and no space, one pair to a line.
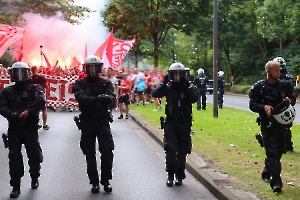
152,18
278,20
11,11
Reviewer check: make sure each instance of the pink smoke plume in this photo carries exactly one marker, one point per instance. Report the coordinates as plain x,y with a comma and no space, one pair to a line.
60,40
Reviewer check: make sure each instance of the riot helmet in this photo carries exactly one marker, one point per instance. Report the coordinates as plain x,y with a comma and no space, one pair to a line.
92,66
200,71
284,113
19,72
281,62
176,72
187,70
221,74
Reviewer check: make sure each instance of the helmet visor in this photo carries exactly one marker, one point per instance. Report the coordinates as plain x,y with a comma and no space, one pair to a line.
176,76
19,74
93,69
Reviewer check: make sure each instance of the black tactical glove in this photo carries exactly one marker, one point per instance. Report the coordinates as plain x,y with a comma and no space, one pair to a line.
14,116
166,80
104,98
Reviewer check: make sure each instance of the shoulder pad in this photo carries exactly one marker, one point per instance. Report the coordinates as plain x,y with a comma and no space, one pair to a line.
289,76
258,84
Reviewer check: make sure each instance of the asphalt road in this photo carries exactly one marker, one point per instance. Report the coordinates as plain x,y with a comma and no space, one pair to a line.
242,102
138,171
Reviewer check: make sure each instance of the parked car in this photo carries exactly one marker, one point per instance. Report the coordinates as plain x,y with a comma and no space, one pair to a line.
210,86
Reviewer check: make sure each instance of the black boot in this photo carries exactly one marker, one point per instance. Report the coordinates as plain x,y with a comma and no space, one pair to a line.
34,183
95,188
170,179
106,186
178,181
15,192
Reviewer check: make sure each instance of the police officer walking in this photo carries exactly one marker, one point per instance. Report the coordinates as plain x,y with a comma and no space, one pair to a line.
177,128
200,82
20,105
285,75
265,96
221,88
94,94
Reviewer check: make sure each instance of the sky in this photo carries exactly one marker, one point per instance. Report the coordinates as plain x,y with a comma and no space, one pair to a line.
60,40
93,29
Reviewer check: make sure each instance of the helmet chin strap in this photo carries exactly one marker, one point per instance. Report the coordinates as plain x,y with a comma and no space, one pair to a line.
92,78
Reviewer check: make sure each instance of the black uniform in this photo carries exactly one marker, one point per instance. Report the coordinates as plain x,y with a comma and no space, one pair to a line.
273,132
285,75
221,90
190,77
13,101
94,122
200,82
177,128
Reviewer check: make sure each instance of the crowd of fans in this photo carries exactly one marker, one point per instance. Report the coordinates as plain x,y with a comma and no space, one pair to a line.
142,82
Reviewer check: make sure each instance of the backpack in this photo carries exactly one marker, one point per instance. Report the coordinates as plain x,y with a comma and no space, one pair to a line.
141,85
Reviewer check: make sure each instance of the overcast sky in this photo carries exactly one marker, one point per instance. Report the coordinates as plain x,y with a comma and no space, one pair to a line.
94,31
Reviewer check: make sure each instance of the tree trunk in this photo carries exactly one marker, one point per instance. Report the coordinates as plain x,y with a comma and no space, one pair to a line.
281,45
155,51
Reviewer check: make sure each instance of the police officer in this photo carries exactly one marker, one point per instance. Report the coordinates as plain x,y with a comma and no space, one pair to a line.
177,140
94,94
264,96
285,75
20,105
221,88
188,74
200,82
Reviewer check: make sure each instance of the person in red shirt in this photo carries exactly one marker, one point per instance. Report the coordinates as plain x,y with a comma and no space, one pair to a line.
40,79
124,87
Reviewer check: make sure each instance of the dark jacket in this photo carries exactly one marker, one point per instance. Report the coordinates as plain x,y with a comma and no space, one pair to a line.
263,93
29,97
86,93
179,97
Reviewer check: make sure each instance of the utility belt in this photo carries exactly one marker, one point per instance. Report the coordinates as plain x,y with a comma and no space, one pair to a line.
90,117
177,119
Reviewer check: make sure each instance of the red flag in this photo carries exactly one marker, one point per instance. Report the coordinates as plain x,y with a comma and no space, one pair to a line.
116,51
113,50
8,36
47,61
21,53
85,51
109,47
101,49
75,62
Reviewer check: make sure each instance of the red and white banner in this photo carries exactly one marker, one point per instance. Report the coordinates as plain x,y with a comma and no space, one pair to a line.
59,92
8,36
113,51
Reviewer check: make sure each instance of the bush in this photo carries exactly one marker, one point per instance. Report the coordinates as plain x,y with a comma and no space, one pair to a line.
241,89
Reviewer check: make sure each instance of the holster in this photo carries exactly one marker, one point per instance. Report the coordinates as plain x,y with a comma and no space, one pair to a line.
77,121
5,139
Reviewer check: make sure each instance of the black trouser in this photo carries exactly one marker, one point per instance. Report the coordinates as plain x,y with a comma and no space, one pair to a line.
201,96
289,143
27,135
177,144
220,97
274,142
100,129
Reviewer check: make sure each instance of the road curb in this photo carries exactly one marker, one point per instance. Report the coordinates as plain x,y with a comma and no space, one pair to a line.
205,176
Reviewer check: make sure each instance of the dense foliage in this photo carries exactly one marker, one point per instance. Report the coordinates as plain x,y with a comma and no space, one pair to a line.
250,33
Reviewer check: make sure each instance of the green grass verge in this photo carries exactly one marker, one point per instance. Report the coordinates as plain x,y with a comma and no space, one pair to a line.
214,139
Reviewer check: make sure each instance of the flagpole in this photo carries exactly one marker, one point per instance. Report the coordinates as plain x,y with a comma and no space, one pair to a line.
41,46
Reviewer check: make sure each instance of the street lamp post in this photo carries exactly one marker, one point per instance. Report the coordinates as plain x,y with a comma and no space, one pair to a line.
173,50
215,59
41,47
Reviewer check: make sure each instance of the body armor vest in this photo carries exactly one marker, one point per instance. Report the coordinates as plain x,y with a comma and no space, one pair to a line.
201,82
178,106
98,108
